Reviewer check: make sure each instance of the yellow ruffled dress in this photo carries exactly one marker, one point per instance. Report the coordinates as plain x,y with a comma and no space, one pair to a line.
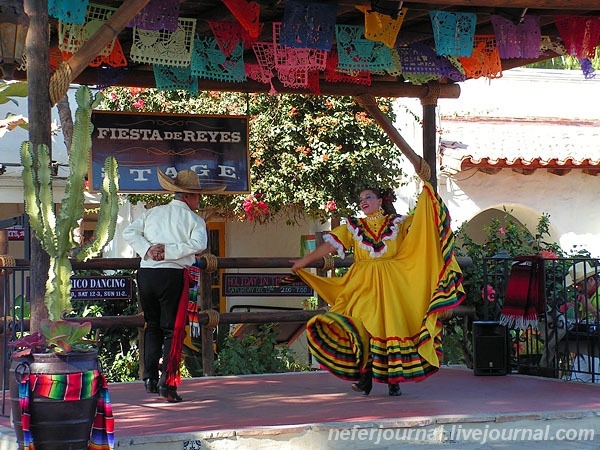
385,309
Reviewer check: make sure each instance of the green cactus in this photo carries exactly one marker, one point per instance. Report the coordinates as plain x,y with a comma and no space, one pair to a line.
55,232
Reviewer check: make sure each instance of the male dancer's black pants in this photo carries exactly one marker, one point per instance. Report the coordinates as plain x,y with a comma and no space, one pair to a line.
159,291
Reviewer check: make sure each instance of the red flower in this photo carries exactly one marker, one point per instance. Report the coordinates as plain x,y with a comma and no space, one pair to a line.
139,104
549,254
489,294
255,209
330,206
133,91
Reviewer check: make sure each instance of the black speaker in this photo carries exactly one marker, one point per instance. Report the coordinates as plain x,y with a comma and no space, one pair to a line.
490,348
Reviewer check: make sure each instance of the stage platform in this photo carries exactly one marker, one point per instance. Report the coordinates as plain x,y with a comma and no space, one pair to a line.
315,410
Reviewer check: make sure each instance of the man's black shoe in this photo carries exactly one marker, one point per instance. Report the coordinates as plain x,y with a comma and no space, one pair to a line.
151,385
170,393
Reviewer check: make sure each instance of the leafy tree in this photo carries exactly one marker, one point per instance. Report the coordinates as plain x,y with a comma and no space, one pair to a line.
8,92
307,153
565,62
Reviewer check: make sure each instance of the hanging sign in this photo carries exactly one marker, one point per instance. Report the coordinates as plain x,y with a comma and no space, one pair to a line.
101,287
215,147
16,233
262,285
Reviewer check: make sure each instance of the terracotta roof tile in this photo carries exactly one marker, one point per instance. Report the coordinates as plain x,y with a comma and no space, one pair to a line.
519,144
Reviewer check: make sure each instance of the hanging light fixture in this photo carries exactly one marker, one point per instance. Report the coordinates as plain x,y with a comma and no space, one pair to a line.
13,31
388,7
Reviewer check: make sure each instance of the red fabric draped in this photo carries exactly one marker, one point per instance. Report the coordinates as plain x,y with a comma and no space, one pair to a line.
174,364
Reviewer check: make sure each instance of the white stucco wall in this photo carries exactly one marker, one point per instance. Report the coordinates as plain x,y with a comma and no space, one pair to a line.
574,215
570,200
277,240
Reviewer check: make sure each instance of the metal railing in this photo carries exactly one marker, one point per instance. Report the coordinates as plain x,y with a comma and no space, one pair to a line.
564,341
14,286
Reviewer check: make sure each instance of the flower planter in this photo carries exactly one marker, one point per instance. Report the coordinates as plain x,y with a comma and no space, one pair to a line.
54,424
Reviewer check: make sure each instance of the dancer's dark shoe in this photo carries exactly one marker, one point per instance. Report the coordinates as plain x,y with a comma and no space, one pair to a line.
365,383
151,385
170,394
394,390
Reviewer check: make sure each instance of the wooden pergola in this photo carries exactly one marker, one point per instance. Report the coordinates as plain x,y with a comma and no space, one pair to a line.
45,88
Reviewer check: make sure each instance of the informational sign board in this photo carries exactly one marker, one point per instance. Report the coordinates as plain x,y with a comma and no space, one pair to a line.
215,147
16,233
262,285
101,287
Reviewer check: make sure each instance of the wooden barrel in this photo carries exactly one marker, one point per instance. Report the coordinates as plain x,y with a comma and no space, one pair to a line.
54,424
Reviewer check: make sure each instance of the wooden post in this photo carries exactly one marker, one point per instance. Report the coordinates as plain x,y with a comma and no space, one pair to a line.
38,102
429,103
318,241
205,294
3,251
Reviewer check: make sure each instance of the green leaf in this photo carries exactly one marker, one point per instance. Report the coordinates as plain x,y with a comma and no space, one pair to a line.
45,326
64,334
12,89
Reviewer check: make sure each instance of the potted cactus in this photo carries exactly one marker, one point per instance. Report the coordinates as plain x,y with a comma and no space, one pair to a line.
58,336
55,232
60,356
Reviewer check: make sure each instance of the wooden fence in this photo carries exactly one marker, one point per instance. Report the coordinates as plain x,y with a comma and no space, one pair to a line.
208,318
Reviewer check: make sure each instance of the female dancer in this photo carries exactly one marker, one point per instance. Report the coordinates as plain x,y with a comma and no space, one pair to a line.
383,323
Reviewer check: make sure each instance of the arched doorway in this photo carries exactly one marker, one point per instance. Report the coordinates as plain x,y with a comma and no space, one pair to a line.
521,215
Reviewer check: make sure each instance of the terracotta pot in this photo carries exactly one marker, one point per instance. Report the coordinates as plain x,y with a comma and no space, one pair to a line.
54,424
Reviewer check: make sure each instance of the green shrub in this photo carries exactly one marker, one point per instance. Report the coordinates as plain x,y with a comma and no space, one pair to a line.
504,239
255,354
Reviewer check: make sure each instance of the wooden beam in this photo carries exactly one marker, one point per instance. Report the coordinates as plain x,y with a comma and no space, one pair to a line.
137,321
430,141
391,88
67,72
242,262
370,105
574,5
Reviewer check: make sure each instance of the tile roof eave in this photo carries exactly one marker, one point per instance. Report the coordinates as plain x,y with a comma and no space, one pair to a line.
492,166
